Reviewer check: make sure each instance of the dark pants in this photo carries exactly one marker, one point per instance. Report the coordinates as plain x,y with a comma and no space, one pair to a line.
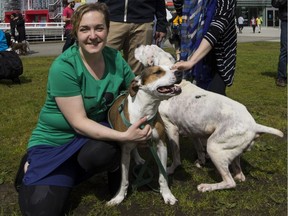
94,157
282,65
217,85
69,40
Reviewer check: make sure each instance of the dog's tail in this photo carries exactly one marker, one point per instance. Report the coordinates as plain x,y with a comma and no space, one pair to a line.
264,129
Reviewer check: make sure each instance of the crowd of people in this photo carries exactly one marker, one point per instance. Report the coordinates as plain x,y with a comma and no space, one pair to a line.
73,140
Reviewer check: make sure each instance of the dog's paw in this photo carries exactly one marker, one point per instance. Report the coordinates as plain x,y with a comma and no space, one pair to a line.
240,177
171,169
205,187
115,201
218,186
169,198
139,161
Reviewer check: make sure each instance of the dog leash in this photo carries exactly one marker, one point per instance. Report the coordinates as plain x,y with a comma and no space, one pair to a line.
140,181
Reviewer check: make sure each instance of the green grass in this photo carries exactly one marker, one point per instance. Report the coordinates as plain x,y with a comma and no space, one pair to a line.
265,167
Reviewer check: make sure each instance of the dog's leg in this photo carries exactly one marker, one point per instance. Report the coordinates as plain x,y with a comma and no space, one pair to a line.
221,159
125,164
200,146
173,136
164,187
137,158
237,171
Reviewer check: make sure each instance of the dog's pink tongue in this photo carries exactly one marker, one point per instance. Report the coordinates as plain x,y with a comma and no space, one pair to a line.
164,89
170,89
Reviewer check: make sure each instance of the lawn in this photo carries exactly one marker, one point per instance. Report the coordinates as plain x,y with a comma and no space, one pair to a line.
265,167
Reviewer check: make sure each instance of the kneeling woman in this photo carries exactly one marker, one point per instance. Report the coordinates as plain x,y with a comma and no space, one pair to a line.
72,140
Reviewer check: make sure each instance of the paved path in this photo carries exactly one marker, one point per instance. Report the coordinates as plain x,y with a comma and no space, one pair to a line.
55,48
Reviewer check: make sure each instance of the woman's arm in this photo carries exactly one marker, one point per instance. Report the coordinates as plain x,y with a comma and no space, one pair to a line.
73,110
203,49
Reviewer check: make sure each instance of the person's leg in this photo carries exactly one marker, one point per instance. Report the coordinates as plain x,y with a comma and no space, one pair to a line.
69,40
98,156
43,200
140,34
282,65
217,85
118,33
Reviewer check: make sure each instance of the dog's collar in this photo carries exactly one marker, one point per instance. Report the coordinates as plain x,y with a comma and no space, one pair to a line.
125,120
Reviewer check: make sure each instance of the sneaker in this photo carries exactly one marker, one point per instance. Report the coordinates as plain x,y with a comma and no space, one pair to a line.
20,173
281,82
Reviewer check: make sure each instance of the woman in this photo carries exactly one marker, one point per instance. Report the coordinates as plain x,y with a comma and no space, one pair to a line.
210,48
20,27
72,141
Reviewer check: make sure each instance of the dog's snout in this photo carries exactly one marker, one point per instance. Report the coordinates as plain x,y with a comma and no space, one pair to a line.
178,75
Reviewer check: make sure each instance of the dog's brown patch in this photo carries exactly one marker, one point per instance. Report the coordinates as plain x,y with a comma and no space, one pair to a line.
150,74
133,88
114,115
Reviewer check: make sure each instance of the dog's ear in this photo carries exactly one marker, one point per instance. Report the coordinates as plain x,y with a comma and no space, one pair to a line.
134,87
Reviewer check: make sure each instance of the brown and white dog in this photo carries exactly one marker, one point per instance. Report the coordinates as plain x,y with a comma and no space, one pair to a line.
145,94
218,123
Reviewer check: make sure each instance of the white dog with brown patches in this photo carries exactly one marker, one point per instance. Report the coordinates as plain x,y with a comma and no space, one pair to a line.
145,94
222,125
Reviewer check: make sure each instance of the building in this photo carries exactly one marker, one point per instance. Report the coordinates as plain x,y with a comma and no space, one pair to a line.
249,8
50,10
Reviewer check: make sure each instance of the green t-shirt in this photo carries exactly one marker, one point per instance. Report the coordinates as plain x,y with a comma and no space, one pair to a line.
67,77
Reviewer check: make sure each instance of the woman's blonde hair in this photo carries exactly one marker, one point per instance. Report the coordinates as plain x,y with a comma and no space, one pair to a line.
85,8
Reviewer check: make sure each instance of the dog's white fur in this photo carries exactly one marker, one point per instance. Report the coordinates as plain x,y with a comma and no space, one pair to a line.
143,103
153,55
217,122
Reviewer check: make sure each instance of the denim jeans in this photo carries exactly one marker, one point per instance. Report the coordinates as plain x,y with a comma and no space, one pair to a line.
282,65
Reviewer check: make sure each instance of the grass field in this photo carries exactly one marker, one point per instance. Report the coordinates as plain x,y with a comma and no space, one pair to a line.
265,167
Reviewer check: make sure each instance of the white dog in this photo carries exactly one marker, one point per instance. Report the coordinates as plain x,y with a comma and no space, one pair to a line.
221,124
145,94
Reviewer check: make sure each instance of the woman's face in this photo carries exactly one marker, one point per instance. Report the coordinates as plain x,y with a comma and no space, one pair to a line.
92,33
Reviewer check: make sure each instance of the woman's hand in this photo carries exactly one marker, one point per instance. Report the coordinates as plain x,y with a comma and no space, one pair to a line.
183,65
135,134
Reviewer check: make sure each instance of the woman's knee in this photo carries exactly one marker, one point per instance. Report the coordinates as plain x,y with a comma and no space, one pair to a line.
99,155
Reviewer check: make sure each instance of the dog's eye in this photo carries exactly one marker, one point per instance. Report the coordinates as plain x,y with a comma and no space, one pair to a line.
158,72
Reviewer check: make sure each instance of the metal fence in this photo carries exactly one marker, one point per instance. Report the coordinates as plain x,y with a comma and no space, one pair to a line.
41,31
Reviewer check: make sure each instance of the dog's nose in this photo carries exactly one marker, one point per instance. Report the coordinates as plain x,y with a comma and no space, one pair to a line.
179,75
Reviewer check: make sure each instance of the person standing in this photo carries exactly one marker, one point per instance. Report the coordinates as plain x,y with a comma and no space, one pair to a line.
240,23
66,16
20,27
208,45
13,26
132,25
253,23
259,23
282,63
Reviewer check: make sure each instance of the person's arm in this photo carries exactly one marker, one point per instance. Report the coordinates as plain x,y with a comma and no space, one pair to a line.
161,22
73,110
203,49
65,16
223,14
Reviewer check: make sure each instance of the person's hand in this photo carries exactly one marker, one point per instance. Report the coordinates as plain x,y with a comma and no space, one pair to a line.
183,65
135,134
159,37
